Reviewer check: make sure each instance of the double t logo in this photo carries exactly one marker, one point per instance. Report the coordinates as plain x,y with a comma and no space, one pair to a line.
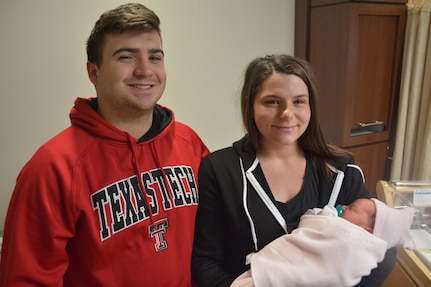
156,231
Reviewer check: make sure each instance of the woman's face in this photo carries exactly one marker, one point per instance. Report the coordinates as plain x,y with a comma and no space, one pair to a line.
282,110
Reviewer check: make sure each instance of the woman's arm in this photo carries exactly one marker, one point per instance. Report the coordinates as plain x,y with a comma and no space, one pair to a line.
210,232
379,274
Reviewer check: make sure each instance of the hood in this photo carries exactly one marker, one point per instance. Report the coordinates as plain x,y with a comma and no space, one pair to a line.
84,114
245,151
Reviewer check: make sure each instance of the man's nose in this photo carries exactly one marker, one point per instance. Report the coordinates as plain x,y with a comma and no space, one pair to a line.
143,68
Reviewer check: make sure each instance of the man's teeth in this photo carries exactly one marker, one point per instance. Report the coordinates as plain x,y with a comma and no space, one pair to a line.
142,86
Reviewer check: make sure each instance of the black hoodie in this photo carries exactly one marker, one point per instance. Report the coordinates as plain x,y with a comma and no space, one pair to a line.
238,214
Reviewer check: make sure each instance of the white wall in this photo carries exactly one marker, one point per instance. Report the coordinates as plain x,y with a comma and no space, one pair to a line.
207,43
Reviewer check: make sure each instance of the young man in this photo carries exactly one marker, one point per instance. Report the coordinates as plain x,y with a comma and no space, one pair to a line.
337,251
111,200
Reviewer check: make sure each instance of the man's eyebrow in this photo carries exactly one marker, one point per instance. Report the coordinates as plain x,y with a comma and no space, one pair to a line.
155,51
136,50
129,50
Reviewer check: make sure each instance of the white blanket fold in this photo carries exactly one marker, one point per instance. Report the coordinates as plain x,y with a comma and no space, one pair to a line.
322,251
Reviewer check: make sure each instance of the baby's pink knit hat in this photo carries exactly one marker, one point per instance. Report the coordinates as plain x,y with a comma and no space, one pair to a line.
393,225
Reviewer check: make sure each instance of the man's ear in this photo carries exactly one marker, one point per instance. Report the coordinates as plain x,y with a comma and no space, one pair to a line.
92,71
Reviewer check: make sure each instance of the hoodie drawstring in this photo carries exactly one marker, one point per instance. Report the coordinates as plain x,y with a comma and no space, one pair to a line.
265,198
339,181
159,165
248,175
337,186
137,172
244,203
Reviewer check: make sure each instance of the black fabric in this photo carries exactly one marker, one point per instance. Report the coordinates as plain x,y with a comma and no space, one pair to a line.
223,236
161,119
379,274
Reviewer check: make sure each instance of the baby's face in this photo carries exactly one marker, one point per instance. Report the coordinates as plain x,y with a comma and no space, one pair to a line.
360,212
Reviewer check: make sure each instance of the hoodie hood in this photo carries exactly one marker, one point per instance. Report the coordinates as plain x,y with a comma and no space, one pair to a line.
84,114
245,151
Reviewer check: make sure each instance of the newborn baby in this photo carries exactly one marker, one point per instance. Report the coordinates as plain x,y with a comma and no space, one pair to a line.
331,246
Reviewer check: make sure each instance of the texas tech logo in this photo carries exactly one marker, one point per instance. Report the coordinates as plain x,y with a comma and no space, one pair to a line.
123,204
156,231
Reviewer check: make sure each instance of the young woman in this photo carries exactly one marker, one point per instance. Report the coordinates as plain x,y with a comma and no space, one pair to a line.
256,190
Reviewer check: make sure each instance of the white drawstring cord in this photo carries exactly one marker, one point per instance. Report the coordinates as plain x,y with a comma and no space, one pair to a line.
337,186
265,198
268,202
339,181
244,203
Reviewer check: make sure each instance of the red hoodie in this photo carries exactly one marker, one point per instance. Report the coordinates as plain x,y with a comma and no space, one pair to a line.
79,217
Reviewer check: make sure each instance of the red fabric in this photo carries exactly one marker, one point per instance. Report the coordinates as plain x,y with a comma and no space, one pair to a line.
77,216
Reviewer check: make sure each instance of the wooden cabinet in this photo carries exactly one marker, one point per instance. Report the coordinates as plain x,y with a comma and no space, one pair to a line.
355,48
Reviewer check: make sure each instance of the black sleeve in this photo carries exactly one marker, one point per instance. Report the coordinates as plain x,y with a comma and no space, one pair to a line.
210,232
382,271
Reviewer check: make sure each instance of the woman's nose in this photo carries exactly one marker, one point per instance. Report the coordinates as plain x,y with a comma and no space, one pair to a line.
286,112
